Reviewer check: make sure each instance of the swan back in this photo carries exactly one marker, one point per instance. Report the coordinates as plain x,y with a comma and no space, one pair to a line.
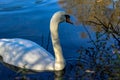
25,53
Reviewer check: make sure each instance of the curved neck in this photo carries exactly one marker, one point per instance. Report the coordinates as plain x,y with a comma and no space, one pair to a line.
56,43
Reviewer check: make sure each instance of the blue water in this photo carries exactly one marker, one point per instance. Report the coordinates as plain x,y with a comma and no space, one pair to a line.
29,19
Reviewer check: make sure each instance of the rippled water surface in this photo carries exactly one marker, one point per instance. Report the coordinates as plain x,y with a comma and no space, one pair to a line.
14,5
29,19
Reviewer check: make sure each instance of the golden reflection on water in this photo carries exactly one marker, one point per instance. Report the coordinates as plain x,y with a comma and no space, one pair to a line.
87,10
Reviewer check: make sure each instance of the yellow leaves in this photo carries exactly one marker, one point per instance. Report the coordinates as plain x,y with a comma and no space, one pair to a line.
99,1
87,10
83,35
69,11
97,28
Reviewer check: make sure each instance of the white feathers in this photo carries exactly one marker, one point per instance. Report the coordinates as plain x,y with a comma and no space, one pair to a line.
25,53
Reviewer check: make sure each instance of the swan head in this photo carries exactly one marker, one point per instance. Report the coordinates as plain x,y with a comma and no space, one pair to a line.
61,16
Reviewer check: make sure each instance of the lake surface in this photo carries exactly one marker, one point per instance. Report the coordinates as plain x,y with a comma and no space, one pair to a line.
29,19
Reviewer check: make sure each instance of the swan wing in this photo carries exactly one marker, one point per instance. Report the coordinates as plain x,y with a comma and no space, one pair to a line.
25,54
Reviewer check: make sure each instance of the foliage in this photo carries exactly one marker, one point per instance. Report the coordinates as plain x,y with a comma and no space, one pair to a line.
86,10
101,60
103,56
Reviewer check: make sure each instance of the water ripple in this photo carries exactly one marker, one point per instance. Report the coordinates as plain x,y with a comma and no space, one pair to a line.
13,5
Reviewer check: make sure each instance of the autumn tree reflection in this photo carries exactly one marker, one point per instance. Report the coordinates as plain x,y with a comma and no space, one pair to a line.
87,10
103,16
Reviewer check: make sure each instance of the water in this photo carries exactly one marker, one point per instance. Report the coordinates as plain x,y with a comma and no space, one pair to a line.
29,19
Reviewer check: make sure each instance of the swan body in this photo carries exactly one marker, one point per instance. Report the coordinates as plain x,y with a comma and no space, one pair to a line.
29,55
25,53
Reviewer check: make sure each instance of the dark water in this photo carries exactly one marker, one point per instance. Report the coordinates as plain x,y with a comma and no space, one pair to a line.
29,19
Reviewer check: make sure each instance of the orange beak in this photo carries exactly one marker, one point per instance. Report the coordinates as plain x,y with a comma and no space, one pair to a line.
69,21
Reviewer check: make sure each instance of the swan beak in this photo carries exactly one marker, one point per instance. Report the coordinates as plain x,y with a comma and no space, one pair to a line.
69,21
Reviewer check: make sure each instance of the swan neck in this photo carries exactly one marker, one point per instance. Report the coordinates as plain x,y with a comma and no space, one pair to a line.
56,43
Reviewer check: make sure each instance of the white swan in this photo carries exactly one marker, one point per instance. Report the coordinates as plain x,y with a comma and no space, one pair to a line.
29,55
